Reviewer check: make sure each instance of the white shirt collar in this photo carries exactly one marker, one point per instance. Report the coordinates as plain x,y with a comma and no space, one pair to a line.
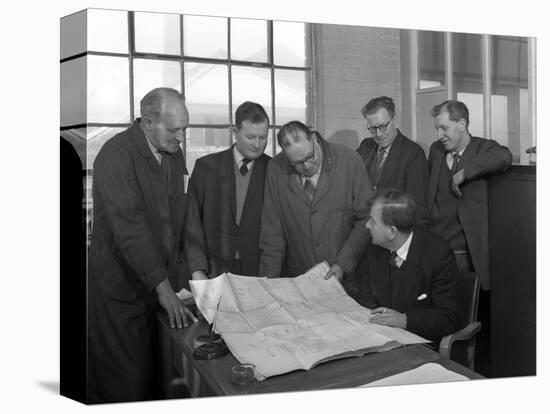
403,251
239,158
156,153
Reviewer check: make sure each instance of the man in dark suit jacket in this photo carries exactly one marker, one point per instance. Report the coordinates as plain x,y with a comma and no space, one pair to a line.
411,280
457,197
392,159
460,165
228,189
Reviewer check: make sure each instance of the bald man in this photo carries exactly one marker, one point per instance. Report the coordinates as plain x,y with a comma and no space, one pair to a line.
137,249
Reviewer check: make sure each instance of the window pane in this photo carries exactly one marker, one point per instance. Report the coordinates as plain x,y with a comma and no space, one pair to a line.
207,93
204,141
205,36
509,88
467,80
289,44
251,84
290,96
431,55
157,33
150,74
73,92
72,34
108,89
108,31
249,40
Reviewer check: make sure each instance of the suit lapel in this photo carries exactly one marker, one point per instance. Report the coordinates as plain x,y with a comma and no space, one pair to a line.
469,153
255,187
391,163
371,164
326,178
227,179
437,161
407,279
295,187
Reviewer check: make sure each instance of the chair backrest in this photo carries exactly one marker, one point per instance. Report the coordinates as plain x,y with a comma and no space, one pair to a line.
468,297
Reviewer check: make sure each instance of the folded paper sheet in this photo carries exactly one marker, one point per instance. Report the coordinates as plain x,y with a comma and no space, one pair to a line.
285,324
425,374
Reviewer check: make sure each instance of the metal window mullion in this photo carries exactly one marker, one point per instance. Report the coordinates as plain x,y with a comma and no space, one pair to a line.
73,126
310,101
270,59
73,57
449,64
131,50
230,82
211,126
486,80
413,62
316,98
109,124
532,88
156,56
182,80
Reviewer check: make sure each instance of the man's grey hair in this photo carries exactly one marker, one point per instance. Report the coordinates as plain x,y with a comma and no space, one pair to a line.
151,103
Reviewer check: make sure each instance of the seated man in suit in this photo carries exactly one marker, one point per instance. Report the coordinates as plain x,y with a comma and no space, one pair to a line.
228,189
411,280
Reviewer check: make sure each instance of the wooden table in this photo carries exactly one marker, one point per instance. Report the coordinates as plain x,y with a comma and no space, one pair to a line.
209,378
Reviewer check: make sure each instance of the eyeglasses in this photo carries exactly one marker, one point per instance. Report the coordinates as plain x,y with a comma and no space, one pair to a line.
382,127
309,159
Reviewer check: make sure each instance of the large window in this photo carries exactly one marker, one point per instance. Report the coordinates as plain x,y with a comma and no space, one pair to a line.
467,77
431,59
493,75
110,59
509,93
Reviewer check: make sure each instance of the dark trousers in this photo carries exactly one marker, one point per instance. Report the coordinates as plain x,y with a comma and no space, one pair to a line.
236,267
482,357
122,349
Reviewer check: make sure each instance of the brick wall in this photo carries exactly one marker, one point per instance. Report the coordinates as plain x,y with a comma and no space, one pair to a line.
351,65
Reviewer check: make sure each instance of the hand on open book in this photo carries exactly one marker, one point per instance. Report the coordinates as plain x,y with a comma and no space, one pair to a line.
178,313
388,317
335,271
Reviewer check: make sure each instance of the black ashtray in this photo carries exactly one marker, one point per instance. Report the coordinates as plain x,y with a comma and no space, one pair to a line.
211,350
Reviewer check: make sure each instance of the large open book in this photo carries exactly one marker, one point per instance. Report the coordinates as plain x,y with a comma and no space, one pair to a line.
284,324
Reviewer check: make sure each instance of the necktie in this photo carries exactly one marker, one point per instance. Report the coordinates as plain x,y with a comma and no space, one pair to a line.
310,188
393,271
244,166
454,169
380,161
454,165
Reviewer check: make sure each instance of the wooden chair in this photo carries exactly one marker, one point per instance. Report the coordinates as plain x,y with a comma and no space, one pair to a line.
468,297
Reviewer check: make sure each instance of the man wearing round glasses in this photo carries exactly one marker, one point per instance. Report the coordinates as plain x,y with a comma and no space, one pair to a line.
393,160
315,206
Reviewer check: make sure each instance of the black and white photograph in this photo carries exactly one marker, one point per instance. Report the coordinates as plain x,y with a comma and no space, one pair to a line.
284,208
